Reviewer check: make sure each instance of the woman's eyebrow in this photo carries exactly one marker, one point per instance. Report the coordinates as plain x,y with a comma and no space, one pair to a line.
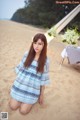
40,42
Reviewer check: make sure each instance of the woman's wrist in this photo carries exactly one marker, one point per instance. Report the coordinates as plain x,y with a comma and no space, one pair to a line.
42,90
42,93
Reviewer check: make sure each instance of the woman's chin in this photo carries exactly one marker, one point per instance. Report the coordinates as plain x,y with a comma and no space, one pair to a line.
36,51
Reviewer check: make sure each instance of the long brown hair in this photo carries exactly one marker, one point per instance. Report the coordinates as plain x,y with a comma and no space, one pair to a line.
43,54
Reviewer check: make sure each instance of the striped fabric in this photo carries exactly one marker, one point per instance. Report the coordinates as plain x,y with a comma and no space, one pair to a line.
26,87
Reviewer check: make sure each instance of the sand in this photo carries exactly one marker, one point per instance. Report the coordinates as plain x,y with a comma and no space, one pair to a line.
62,96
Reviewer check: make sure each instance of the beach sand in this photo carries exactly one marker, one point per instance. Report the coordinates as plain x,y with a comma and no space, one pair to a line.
62,96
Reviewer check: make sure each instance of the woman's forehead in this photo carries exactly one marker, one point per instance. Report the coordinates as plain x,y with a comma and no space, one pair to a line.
39,40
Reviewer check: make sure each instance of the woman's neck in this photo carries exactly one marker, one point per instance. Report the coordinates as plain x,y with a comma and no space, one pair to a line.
36,56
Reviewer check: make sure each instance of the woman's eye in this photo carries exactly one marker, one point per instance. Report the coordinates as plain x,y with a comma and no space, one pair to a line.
40,44
34,42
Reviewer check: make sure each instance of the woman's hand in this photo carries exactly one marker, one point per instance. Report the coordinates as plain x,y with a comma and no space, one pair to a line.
41,99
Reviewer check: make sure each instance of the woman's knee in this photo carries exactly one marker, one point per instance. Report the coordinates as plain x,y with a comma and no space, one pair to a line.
25,109
14,105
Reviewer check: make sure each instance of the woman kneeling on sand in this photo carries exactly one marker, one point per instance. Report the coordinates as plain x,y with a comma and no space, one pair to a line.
32,76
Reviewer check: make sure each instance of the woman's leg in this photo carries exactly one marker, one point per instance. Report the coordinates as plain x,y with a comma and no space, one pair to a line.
25,108
14,105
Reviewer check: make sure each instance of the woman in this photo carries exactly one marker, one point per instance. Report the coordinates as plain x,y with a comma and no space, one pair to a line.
32,76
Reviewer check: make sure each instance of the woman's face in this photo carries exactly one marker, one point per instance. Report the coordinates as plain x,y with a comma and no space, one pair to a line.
38,46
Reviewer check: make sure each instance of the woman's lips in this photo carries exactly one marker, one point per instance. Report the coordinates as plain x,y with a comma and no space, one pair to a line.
36,49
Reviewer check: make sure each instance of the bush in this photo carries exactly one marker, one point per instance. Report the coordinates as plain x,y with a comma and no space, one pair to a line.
52,32
71,36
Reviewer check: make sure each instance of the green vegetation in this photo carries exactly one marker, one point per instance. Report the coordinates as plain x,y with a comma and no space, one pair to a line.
71,36
52,32
44,13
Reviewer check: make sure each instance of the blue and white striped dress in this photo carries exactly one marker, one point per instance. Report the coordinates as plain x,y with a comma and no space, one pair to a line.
26,87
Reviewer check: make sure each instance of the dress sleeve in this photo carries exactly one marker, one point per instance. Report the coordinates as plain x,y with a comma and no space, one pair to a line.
21,64
45,75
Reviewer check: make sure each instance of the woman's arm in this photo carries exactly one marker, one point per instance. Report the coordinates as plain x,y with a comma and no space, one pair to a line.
41,97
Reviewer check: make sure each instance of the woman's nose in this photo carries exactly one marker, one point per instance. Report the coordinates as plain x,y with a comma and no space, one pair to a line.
36,45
